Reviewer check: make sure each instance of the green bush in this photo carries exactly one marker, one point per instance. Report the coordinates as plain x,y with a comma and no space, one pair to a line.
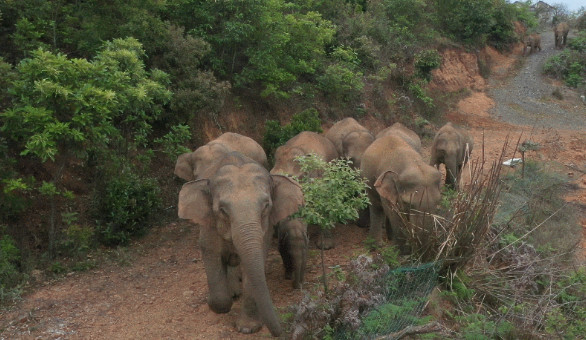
341,83
570,65
10,275
276,135
125,206
425,62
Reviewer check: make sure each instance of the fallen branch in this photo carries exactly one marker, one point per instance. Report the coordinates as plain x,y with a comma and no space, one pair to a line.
413,330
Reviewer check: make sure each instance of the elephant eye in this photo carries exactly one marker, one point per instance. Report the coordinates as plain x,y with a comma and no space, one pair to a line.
223,211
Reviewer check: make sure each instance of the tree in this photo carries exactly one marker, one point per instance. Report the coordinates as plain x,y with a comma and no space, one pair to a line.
65,109
335,197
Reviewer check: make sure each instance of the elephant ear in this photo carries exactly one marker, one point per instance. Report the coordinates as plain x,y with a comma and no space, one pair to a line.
195,202
386,186
287,198
184,166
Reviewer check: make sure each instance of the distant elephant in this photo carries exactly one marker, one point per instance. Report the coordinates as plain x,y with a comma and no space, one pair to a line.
302,144
404,132
236,208
350,139
560,33
199,163
533,41
293,247
400,182
451,146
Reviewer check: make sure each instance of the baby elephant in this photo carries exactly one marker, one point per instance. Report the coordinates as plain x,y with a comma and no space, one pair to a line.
293,245
533,41
560,32
451,146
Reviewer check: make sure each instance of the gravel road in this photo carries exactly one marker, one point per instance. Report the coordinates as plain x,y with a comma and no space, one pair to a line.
526,98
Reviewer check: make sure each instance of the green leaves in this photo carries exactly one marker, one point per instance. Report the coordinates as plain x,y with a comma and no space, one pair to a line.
336,196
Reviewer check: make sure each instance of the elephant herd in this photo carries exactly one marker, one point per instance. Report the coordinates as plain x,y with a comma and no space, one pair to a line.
533,41
239,204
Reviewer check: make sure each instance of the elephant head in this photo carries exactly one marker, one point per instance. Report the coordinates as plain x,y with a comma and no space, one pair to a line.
236,209
412,193
354,144
451,146
196,164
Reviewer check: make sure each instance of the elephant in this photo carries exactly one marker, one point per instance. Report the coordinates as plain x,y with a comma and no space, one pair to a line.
302,144
401,183
405,133
560,33
236,208
199,163
350,139
293,247
451,146
533,41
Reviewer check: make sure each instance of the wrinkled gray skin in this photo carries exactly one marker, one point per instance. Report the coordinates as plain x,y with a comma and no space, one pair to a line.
200,163
449,147
293,245
533,41
399,178
560,32
405,133
303,144
350,139
236,209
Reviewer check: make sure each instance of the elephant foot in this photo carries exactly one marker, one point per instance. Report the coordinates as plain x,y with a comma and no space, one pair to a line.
220,306
248,325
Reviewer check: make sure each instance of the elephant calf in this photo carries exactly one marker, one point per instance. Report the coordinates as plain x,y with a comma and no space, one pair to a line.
533,41
350,139
403,188
404,133
451,146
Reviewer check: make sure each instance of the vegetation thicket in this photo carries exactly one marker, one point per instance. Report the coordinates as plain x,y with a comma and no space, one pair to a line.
97,99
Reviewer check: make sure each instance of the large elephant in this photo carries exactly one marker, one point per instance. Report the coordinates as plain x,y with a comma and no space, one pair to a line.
293,247
400,182
533,41
236,209
350,139
451,146
302,144
199,163
560,32
403,132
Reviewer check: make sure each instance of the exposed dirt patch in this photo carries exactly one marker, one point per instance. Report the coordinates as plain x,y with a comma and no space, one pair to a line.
158,290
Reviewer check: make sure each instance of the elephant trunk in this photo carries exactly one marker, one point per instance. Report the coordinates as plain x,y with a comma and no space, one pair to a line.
248,240
452,171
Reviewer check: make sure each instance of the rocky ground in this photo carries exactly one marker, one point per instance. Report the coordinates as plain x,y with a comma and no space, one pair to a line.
156,289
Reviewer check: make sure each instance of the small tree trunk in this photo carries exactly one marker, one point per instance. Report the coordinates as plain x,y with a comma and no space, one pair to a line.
323,265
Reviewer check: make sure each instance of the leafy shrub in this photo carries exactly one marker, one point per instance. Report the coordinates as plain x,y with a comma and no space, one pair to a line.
10,275
340,82
425,62
125,206
570,65
276,135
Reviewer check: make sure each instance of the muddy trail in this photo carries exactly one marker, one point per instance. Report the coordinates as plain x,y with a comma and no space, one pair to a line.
156,288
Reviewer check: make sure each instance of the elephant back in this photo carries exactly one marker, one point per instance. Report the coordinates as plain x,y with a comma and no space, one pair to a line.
246,145
404,133
341,129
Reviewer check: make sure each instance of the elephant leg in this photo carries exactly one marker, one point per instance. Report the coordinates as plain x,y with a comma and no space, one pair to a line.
397,228
249,319
363,218
220,298
377,222
284,250
234,277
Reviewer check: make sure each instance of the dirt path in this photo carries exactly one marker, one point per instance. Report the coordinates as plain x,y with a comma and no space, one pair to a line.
157,288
